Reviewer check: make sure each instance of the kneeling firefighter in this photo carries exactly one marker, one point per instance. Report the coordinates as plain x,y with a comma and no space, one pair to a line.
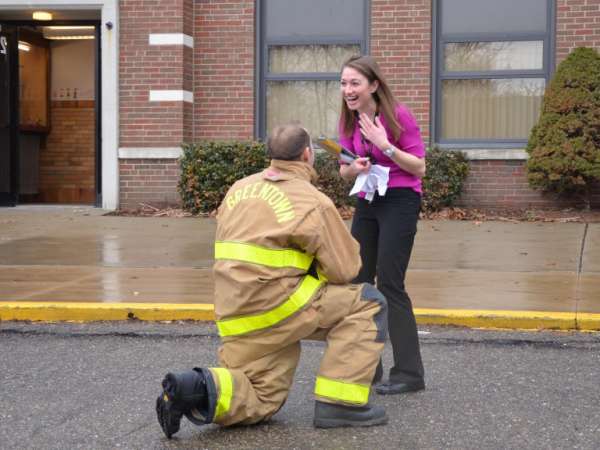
283,261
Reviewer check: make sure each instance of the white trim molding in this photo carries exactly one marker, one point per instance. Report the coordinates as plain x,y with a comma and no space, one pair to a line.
171,96
171,39
150,152
477,154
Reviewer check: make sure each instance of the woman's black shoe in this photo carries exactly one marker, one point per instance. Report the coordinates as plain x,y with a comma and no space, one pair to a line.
390,388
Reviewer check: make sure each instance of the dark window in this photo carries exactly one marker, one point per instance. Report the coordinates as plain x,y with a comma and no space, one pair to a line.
302,47
493,60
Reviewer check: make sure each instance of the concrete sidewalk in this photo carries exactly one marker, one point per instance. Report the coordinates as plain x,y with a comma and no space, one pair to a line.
74,263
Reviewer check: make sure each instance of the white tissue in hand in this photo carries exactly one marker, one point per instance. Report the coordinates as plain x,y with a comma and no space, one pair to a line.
376,179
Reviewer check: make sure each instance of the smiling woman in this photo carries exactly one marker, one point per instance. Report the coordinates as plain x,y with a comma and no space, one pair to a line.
381,131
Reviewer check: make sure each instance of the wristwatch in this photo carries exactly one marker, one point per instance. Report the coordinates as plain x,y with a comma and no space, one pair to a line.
389,152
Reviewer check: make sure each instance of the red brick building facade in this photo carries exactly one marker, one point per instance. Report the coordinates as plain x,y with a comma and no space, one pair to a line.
174,71
220,72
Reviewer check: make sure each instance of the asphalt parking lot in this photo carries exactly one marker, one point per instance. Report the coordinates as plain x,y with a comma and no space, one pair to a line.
93,386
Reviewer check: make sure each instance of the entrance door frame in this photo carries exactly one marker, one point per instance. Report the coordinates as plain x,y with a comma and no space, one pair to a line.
10,197
108,89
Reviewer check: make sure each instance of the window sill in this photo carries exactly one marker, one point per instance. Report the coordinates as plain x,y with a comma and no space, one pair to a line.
479,154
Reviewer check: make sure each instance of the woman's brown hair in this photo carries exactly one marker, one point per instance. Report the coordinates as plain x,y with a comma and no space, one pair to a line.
383,97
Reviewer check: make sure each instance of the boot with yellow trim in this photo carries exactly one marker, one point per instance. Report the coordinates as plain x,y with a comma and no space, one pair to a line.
332,415
186,394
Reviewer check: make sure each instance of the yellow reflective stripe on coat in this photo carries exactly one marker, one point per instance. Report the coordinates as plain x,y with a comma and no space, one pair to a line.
242,325
342,391
226,390
256,254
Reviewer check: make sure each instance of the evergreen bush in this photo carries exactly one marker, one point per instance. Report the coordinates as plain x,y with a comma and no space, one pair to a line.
444,178
208,169
330,182
564,146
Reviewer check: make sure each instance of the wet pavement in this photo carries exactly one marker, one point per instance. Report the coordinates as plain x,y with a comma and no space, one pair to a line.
78,254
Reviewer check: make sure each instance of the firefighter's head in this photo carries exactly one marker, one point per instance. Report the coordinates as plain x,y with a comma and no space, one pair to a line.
290,142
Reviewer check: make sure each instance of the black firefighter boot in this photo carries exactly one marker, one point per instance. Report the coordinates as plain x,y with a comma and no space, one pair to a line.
183,393
330,415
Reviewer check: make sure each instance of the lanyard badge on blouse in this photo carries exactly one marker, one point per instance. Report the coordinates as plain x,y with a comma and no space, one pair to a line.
368,148
368,145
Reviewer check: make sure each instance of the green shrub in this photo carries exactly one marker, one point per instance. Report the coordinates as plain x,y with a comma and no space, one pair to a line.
446,173
208,169
564,146
330,182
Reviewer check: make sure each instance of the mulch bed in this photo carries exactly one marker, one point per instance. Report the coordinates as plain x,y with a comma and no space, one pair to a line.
517,215
471,214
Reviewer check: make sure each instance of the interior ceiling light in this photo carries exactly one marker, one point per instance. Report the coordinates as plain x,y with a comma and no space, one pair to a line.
69,32
42,15
66,38
65,27
24,46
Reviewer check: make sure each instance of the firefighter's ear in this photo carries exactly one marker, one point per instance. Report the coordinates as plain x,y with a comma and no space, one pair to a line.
305,153
308,155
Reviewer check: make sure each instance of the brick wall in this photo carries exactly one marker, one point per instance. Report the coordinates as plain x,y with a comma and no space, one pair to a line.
143,68
401,43
224,69
577,25
151,181
188,71
68,159
503,184
220,72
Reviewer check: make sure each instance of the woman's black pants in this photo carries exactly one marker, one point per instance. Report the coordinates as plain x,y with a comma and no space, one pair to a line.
385,229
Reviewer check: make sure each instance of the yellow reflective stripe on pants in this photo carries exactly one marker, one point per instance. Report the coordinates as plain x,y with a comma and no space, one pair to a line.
226,391
342,391
242,325
256,254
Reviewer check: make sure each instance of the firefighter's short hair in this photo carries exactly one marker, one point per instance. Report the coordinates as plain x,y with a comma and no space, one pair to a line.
287,142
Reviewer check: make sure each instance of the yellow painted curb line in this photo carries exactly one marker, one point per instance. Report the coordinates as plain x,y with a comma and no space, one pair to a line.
527,320
88,312
588,322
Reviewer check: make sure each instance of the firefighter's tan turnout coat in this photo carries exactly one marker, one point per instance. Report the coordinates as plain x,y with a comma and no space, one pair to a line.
283,263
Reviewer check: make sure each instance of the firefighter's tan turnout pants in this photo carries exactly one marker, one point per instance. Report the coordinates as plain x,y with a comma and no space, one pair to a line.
258,369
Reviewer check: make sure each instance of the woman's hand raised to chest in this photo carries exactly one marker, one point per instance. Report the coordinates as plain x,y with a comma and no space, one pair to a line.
373,131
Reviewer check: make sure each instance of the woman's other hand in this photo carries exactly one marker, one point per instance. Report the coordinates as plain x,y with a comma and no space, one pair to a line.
359,165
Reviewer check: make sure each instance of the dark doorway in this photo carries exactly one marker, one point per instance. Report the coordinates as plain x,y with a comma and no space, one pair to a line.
9,156
50,144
